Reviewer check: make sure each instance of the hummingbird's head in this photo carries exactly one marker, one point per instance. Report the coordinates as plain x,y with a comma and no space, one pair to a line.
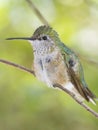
45,33
43,37
42,33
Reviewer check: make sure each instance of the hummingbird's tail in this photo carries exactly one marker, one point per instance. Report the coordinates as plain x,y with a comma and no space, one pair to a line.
91,97
82,88
85,92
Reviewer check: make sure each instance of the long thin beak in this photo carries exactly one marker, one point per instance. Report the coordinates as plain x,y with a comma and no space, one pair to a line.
21,38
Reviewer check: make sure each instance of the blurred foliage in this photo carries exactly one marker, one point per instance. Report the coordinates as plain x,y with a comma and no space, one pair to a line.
25,102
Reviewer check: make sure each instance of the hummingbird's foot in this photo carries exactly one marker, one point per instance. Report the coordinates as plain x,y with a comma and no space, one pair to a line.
56,85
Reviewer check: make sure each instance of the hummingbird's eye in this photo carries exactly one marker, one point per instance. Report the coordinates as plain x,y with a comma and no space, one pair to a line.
44,37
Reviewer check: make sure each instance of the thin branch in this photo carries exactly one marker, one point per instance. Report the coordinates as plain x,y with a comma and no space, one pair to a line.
79,102
56,85
37,12
17,66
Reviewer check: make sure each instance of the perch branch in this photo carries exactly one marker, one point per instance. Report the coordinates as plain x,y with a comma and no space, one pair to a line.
37,12
17,66
58,86
79,102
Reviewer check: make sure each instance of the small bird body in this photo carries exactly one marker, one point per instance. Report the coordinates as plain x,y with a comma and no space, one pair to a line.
50,67
54,63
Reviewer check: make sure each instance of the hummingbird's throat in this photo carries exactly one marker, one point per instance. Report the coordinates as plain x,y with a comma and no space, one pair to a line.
42,47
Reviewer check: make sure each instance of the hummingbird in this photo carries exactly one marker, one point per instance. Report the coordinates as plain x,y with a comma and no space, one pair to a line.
55,63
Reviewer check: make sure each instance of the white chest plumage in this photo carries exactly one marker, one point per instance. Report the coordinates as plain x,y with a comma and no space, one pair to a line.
41,64
43,56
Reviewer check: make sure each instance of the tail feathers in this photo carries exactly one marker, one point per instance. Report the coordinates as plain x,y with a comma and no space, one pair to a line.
92,100
90,95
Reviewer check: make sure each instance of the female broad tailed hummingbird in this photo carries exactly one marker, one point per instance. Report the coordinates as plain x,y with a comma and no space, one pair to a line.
54,63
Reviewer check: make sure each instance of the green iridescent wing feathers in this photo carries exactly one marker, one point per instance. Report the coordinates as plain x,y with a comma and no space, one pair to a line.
77,75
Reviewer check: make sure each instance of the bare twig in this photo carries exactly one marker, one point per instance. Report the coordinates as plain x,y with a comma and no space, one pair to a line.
37,12
58,86
79,102
17,66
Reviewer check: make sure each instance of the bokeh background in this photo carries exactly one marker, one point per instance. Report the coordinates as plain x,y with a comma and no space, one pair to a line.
25,102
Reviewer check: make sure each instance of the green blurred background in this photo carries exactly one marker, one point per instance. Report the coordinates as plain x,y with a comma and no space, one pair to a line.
25,102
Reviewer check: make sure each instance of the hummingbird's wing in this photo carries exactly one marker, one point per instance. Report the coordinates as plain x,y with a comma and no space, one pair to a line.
82,89
76,73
